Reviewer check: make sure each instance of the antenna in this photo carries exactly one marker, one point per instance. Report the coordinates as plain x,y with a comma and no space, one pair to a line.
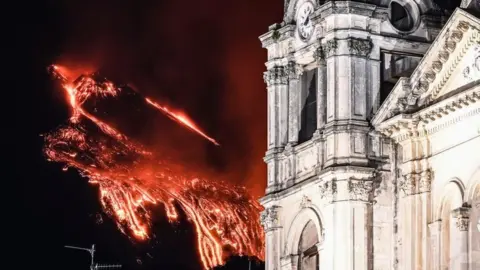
93,265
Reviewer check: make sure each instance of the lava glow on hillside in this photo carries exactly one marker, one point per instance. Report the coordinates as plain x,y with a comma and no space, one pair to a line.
133,179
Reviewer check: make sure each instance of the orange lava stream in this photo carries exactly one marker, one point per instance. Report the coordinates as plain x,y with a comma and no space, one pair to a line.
181,119
132,180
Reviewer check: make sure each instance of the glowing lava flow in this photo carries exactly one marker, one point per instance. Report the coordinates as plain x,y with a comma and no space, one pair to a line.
181,119
132,180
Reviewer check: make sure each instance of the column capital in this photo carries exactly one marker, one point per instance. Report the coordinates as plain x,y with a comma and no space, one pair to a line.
360,47
269,218
293,70
462,217
425,181
329,48
360,190
408,184
328,189
275,76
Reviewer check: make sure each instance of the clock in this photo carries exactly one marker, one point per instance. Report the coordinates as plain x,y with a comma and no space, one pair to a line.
304,24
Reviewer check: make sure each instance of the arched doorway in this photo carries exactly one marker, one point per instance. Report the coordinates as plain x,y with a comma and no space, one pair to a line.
308,257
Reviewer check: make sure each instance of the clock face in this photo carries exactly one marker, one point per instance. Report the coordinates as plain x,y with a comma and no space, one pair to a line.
304,24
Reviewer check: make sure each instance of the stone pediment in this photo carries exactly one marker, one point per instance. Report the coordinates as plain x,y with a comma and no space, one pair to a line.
450,65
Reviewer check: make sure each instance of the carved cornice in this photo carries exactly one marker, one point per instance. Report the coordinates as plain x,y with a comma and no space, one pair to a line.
293,70
275,76
435,69
360,47
462,218
451,43
269,218
328,190
398,125
360,190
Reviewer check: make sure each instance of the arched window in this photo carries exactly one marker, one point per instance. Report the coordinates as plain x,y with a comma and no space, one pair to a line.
308,258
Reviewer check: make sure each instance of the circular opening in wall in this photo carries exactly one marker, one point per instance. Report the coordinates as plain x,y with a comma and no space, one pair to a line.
400,17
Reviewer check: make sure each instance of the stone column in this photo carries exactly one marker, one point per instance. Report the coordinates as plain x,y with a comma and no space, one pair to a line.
276,80
423,213
273,241
352,246
321,87
294,72
459,239
407,226
435,233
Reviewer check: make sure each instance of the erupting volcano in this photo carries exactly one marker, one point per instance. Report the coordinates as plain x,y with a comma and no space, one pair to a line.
133,179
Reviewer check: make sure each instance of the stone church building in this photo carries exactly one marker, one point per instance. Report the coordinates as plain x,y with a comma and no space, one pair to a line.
373,136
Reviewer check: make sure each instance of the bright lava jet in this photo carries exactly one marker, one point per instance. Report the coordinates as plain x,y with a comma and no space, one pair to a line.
132,179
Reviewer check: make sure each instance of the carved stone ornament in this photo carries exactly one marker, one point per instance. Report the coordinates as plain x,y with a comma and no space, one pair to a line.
360,190
306,202
425,182
319,54
330,47
407,184
462,218
472,71
328,189
294,71
361,47
269,218
276,75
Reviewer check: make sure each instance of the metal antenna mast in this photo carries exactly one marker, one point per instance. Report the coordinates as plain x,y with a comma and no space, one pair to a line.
93,265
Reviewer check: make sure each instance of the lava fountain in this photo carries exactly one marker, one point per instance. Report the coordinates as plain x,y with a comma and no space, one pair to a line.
133,179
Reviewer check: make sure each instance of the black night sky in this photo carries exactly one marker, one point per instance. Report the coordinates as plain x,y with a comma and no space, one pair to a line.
201,56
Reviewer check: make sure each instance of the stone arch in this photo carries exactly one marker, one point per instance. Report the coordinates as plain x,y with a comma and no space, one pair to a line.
473,187
452,198
453,195
472,198
297,226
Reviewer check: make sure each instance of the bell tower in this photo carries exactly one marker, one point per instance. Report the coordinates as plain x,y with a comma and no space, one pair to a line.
330,66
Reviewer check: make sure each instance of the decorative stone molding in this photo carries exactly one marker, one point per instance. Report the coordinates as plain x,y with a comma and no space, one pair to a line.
306,202
455,37
408,184
396,127
360,190
319,55
275,76
425,181
294,71
434,71
328,189
330,47
462,218
360,47
472,71
269,218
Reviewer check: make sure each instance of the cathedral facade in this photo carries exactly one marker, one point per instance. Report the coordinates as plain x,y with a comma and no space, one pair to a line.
373,153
